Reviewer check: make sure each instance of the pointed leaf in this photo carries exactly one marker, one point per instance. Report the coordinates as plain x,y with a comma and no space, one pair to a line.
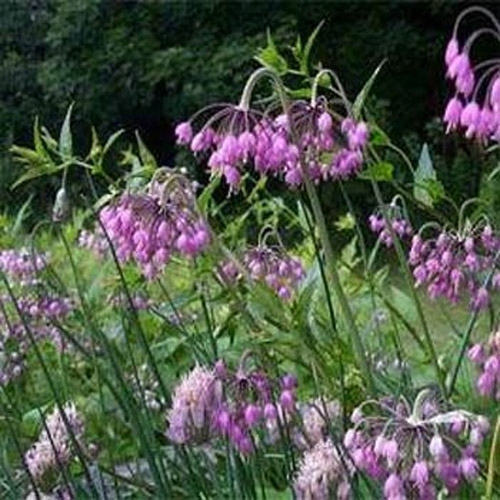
111,140
423,174
304,66
65,138
360,100
147,159
271,58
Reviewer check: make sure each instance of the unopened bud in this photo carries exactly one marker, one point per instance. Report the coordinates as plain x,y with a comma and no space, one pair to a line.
61,207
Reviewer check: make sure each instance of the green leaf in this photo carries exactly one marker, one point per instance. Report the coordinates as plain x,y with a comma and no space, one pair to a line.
65,138
35,173
37,139
208,192
22,214
147,159
304,63
382,171
359,102
377,136
112,139
346,222
271,58
423,174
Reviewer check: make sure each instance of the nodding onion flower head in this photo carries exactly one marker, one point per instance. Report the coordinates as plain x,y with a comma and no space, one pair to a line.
416,451
149,227
475,106
398,220
458,264
269,265
310,138
487,358
237,405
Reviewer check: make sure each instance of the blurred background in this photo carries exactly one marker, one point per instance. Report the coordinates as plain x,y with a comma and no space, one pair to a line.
146,65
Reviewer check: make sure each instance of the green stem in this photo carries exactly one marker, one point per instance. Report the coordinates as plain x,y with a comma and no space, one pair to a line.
468,332
331,263
494,453
408,276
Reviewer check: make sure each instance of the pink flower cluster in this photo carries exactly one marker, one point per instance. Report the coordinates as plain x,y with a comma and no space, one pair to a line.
416,452
323,474
309,139
475,106
269,265
400,226
217,402
94,241
315,418
150,227
54,448
454,266
22,266
23,269
487,357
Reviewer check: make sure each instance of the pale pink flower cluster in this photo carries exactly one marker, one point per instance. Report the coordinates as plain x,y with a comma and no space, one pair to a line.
54,449
323,473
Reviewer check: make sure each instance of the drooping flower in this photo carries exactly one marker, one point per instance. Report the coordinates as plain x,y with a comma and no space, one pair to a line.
310,139
414,452
271,266
475,107
487,358
455,265
242,406
399,223
149,227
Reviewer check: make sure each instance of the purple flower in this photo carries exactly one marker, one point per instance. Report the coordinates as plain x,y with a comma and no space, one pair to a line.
184,133
193,403
54,448
323,474
480,116
408,448
149,227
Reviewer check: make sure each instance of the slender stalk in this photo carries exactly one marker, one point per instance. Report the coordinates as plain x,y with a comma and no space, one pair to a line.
492,463
468,332
330,258
408,276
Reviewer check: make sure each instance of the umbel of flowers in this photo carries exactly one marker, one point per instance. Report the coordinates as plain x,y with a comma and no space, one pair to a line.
55,447
398,220
475,107
39,310
149,227
455,265
419,451
487,358
306,137
236,405
271,266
